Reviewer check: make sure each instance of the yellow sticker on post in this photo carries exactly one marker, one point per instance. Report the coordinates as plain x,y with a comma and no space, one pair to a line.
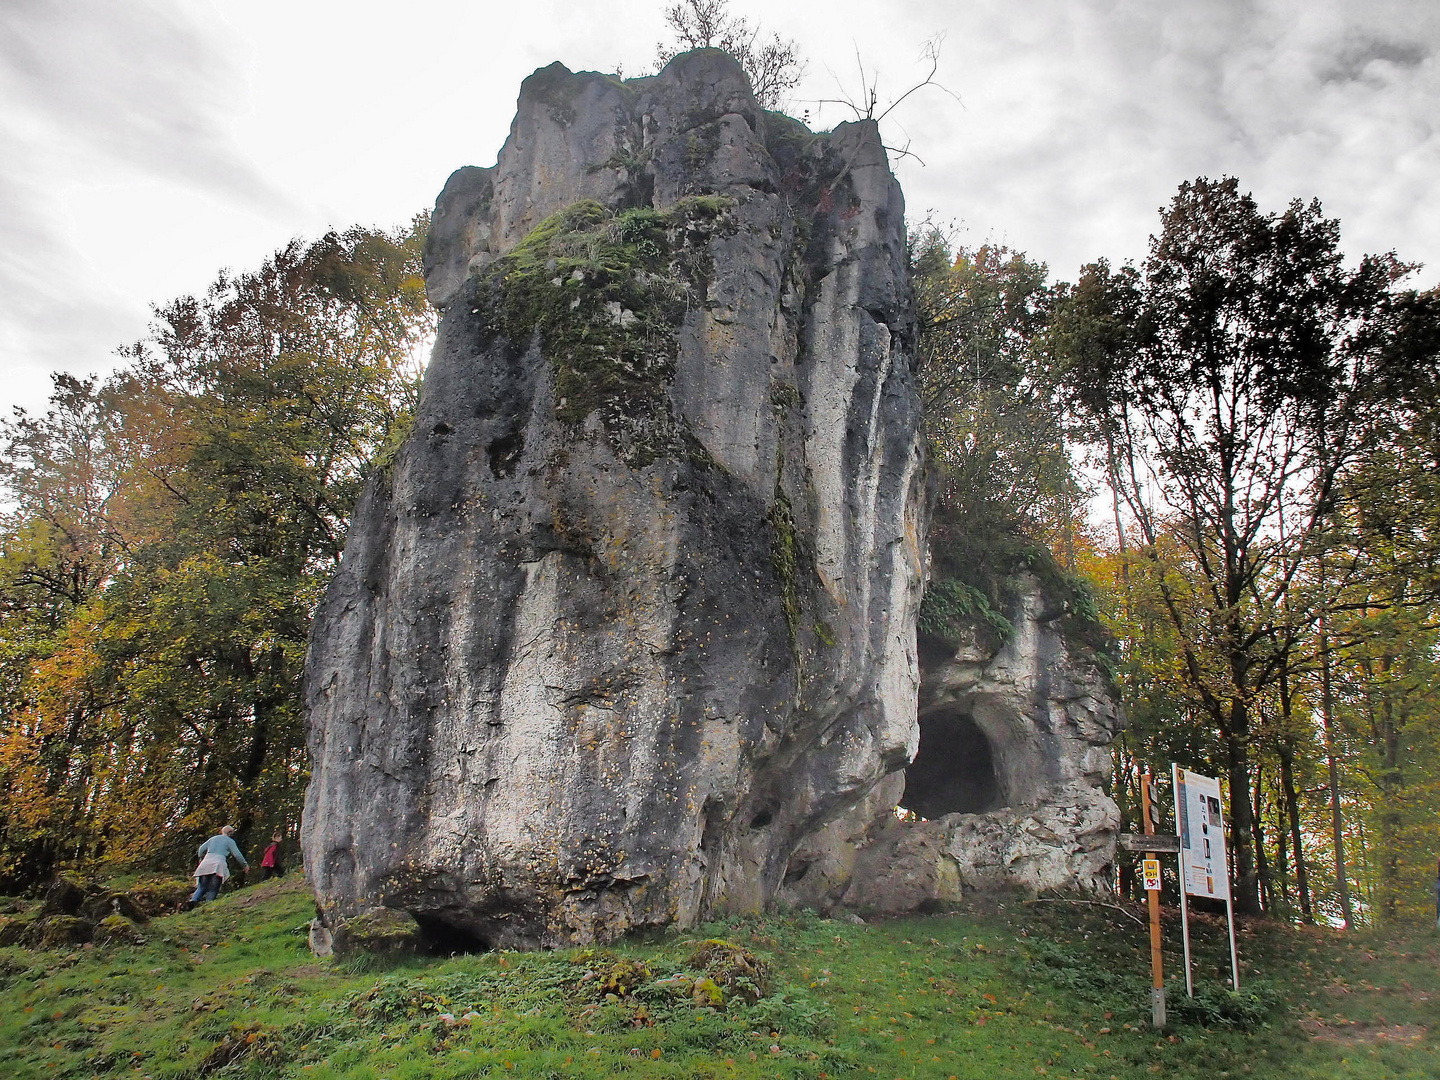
1151,870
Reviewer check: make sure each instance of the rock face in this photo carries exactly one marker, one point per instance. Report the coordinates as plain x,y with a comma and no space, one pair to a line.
1007,780
631,612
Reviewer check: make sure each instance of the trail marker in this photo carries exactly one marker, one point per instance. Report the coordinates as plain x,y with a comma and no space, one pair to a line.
1152,899
1152,875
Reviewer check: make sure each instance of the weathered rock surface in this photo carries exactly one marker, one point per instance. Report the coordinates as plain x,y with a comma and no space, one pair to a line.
631,613
1007,781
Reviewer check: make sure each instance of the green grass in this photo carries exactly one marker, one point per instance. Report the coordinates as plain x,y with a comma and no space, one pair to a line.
1011,990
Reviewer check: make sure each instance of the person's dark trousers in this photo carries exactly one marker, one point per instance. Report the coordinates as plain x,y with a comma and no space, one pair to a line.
267,872
207,887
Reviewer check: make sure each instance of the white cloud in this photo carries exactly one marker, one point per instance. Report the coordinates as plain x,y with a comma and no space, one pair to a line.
146,144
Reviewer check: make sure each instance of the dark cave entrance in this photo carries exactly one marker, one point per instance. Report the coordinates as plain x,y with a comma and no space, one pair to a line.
954,769
440,938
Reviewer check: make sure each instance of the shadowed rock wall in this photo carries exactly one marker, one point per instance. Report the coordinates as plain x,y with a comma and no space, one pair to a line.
631,612
1007,781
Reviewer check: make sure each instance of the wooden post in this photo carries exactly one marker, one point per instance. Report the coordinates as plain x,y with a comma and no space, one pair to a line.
1152,897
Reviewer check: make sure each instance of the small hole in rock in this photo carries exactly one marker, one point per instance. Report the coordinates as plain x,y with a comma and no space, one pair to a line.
504,453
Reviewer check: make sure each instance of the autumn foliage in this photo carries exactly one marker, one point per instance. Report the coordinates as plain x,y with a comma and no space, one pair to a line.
169,532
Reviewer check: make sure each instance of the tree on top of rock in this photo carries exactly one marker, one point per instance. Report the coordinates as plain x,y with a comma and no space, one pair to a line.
773,66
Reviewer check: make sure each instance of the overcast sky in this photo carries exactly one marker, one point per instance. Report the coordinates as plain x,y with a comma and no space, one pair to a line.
145,144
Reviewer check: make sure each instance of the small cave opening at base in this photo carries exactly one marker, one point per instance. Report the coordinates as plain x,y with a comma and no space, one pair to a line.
953,771
439,938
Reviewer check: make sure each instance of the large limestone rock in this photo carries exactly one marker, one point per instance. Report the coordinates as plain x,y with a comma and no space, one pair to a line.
631,613
1006,789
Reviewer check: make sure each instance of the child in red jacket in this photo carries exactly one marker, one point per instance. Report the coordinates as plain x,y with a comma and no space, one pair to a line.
270,861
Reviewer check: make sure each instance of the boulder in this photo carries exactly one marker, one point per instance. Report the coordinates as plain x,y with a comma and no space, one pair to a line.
117,930
631,613
733,969
65,895
19,929
153,897
59,930
383,931
106,903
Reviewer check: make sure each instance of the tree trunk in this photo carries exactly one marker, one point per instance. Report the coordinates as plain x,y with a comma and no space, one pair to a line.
1337,834
1120,758
1391,780
1267,885
1236,735
1292,813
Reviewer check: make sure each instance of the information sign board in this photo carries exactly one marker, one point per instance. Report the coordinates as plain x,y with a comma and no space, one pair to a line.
1203,866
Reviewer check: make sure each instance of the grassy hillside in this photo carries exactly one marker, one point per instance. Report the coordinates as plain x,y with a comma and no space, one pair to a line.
1015,990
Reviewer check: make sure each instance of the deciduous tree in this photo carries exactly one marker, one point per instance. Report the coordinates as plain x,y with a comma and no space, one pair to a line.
1234,396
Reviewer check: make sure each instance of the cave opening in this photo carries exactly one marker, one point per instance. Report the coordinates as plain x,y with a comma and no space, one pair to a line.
954,769
440,938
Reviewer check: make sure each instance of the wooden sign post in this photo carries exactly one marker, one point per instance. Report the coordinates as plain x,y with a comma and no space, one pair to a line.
1151,868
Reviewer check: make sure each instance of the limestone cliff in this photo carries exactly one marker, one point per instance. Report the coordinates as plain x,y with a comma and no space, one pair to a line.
631,612
1006,788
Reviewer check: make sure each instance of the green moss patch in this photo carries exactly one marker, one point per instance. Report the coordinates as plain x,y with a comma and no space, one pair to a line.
785,558
980,560
735,968
607,292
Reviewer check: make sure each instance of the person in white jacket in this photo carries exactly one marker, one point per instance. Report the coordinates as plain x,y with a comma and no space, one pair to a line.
214,868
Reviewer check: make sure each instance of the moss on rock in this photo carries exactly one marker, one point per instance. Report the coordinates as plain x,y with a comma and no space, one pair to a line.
20,929
107,903
734,968
622,977
384,931
66,894
60,930
160,895
117,930
784,557
606,293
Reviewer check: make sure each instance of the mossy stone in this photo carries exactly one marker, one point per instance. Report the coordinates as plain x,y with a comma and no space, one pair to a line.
66,894
117,930
734,968
105,904
60,930
20,929
622,978
159,896
706,992
384,931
